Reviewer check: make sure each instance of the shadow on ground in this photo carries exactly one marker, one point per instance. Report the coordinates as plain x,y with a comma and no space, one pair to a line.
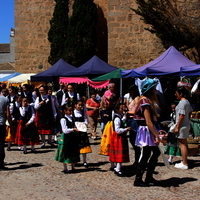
25,166
175,181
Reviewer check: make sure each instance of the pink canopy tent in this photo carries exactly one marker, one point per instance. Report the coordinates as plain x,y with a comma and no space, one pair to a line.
80,80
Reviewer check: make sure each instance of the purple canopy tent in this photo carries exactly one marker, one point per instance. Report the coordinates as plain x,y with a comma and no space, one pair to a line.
193,70
93,67
60,68
169,63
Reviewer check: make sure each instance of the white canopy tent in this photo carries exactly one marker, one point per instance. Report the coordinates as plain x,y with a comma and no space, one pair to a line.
4,75
22,78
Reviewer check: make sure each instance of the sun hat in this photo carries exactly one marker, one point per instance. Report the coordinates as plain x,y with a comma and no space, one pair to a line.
148,84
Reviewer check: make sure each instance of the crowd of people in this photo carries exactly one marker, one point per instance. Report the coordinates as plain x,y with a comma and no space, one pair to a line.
28,115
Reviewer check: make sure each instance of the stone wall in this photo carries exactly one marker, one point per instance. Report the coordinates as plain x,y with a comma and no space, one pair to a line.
31,28
129,45
121,38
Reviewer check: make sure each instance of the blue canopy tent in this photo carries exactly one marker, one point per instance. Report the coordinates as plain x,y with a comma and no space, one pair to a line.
93,67
60,68
193,70
5,78
168,63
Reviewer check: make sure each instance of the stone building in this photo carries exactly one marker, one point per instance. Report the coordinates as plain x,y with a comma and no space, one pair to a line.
7,55
122,40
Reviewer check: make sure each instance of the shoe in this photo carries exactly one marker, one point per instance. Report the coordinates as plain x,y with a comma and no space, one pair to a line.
179,163
52,145
33,150
42,146
112,169
181,166
73,171
85,165
20,148
118,173
153,182
140,184
8,149
66,171
25,152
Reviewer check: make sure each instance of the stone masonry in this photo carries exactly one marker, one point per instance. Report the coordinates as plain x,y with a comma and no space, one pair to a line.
121,38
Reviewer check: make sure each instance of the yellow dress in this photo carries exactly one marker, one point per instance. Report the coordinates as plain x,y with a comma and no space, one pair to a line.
105,141
9,137
86,149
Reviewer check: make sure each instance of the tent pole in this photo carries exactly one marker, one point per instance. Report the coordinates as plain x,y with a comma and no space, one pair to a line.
88,91
121,89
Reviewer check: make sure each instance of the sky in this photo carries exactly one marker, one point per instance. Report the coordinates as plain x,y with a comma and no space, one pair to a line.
6,19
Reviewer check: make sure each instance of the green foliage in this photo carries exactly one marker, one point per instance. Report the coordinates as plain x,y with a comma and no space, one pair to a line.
57,34
81,41
174,23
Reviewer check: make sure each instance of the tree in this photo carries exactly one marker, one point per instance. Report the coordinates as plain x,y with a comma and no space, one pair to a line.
175,22
81,41
57,34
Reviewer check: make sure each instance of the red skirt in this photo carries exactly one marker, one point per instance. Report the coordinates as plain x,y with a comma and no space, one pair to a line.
118,151
21,140
43,129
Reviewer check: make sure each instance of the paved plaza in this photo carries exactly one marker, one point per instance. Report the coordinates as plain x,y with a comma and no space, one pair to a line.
38,176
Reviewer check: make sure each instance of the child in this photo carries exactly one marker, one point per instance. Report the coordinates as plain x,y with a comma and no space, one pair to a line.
105,114
118,152
172,147
26,131
68,147
79,115
15,103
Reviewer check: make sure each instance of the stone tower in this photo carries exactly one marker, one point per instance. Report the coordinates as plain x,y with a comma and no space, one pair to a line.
121,38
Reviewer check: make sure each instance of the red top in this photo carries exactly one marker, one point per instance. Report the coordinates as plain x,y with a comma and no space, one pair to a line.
92,103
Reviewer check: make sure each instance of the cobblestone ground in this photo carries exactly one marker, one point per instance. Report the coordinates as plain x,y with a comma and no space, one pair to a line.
38,176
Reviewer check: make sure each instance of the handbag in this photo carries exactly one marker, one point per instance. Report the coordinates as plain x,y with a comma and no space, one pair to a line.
163,136
171,127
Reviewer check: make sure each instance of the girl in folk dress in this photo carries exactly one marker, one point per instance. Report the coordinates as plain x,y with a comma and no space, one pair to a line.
45,115
14,111
68,148
147,137
26,131
118,152
84,144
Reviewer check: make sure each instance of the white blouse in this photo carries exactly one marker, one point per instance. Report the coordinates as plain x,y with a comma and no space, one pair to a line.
117,124
23,111
71,95
46,98
78,113
63,123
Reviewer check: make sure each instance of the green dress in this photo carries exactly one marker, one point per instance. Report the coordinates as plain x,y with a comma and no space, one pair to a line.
172,148
68,150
